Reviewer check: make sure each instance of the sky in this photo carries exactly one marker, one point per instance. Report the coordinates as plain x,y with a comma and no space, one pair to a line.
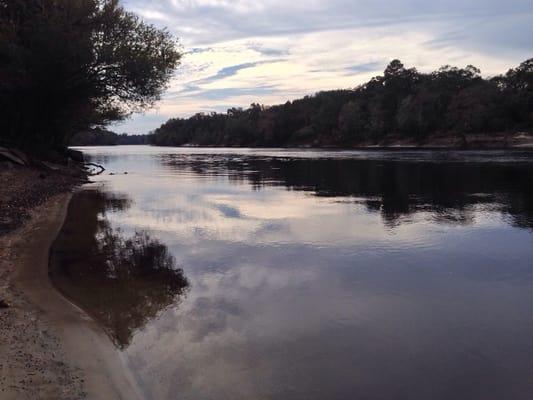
238,52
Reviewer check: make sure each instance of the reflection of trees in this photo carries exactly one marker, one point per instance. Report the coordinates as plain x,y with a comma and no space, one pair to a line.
394,188
122,281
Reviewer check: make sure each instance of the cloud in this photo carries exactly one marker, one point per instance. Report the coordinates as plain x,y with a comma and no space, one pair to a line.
267,51
365,67
230,93
238,52
196,50
232,70
201,21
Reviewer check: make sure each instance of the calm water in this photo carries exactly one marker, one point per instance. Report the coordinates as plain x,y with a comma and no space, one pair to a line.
274,274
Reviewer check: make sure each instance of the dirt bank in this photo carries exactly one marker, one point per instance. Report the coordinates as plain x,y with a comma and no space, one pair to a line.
50,349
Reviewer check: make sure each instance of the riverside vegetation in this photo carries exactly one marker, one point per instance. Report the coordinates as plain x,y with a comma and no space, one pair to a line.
65,66
402,104
70,65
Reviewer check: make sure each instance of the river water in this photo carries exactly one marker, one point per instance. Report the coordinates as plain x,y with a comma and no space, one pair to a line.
280,274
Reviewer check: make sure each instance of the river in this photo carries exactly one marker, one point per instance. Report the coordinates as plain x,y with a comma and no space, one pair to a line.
307,274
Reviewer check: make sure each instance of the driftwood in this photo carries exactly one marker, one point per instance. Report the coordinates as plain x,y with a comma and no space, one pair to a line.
21,155
9,155
91,164
51,166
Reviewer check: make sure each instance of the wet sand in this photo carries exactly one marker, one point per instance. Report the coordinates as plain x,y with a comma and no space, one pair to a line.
50,348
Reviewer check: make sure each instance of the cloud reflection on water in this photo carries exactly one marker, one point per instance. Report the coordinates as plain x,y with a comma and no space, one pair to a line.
315,277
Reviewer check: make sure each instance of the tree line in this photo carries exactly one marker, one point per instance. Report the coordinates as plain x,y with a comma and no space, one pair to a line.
104,137
401,103
69,65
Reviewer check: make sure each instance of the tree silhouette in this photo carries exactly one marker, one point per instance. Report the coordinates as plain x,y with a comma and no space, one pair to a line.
66,65
401,103
123,281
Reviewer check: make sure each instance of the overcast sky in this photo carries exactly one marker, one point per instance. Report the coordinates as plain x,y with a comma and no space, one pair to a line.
237,52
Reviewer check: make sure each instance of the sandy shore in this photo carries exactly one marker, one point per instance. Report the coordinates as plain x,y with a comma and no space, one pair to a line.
50,349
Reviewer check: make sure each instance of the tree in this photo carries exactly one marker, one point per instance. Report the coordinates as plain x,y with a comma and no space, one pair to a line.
68,65
518,86
353,121
476,108
521,78
402,102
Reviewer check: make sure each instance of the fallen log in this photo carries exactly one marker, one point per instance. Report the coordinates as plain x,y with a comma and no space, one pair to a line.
11,156
98,166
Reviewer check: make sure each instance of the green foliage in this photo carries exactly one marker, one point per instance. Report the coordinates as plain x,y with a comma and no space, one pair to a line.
67,65
403,102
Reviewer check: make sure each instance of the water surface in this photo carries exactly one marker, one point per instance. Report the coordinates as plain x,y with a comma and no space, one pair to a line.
280,274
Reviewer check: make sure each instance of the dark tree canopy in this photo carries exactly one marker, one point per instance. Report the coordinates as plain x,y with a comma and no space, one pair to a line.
104,137
403,103
68,65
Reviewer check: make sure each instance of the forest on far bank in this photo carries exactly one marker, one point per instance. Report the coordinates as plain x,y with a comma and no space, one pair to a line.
104,137
403,103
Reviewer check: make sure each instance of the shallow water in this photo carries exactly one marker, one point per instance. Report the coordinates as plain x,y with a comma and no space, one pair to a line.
277,274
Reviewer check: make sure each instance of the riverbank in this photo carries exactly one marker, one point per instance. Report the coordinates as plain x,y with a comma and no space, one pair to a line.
497,141
501,141
50,349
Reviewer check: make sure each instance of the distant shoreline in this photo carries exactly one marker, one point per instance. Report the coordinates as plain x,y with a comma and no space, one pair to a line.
516,141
